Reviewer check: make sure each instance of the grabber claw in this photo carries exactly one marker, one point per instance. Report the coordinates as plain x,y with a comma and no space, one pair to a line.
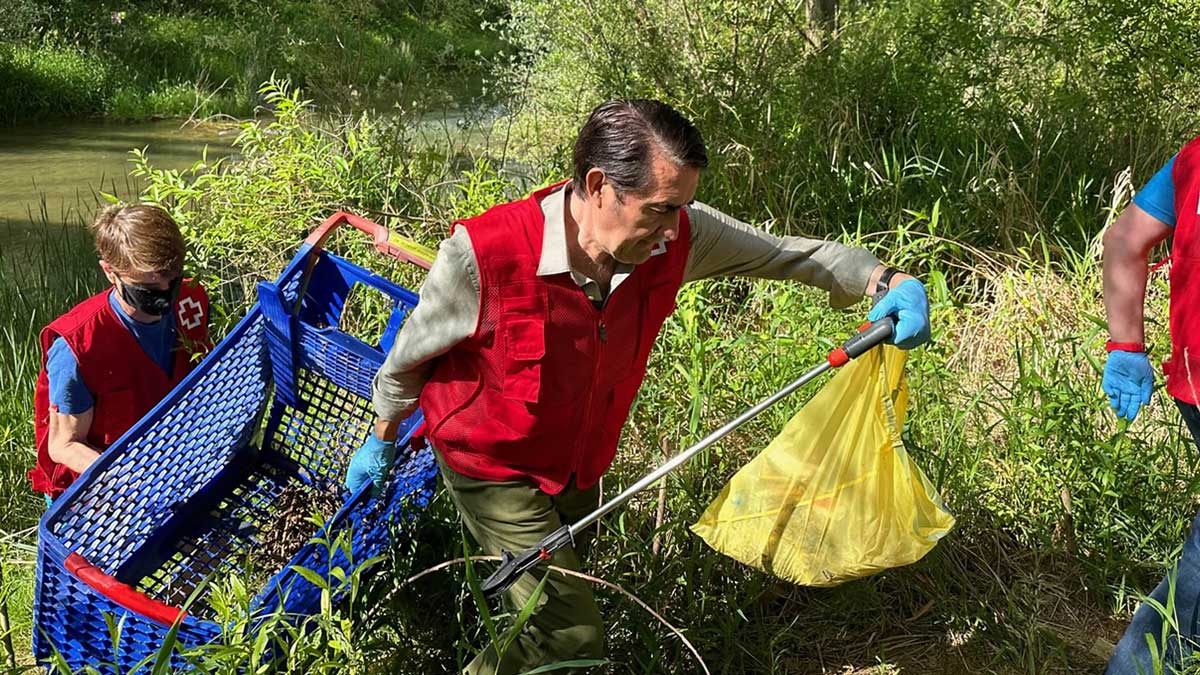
512,566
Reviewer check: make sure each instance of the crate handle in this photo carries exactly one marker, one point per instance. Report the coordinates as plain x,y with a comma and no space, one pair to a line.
389,244
122,594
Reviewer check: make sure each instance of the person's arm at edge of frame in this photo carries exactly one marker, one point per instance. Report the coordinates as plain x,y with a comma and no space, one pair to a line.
1128,376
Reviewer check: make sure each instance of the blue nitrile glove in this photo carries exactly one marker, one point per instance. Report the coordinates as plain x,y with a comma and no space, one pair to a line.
1128,381
910,305
371,462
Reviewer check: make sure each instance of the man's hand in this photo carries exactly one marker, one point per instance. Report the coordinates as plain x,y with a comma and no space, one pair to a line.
1128,381
371,462
909,303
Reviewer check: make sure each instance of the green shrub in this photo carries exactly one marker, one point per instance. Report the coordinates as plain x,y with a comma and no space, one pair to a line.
1015,116
50,80
172,100
163,59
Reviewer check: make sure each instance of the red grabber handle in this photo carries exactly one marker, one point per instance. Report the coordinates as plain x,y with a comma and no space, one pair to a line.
394,246
869,335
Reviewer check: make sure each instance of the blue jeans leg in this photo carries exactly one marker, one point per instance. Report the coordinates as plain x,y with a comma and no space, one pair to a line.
1134,654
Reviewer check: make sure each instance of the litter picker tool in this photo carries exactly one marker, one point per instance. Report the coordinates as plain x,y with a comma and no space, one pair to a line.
512,566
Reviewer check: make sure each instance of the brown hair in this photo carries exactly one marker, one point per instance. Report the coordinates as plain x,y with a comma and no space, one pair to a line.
620,136
138,238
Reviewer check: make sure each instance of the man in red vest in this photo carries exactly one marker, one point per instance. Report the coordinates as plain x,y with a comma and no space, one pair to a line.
110,359
533,332
1167,207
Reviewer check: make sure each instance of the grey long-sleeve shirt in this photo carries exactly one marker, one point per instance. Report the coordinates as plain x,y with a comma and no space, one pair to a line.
720,246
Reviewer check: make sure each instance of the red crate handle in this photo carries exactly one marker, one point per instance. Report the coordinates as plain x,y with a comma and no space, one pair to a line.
122,594
389,244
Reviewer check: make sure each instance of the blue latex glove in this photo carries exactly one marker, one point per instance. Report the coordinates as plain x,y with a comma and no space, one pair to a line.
1128,381
371,462
910,305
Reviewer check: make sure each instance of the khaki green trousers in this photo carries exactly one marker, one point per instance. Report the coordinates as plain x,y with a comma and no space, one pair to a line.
514,516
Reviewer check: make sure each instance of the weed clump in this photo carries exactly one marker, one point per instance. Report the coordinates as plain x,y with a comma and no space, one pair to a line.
291,524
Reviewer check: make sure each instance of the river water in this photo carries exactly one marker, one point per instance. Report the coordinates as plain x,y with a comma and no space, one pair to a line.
51,172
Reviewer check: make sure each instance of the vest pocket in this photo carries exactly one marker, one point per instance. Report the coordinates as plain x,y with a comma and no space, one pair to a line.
524,347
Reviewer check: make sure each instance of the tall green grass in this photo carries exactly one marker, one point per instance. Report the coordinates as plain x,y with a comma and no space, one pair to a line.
51,80
44,275
1017,117
166,59
41,276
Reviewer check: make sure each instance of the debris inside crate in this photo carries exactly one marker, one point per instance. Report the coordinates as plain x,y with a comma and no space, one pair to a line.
291,525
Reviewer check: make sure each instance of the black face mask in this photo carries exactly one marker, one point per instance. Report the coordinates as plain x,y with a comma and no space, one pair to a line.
150,300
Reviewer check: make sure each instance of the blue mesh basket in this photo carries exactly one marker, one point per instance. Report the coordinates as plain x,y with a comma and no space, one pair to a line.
179,499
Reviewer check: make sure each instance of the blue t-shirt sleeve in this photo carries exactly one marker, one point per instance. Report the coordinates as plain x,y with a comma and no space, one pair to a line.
1158,197
67,391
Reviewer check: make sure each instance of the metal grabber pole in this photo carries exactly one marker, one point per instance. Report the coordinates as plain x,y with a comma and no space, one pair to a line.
512,566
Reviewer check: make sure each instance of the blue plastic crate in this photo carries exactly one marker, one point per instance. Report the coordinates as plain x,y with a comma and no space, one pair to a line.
178,500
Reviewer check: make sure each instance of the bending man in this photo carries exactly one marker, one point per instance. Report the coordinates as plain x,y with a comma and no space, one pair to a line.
533,332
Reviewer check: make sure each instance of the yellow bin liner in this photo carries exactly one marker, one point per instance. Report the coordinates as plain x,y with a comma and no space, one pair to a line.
835,496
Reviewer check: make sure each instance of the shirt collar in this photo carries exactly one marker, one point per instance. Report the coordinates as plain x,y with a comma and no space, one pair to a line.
554,233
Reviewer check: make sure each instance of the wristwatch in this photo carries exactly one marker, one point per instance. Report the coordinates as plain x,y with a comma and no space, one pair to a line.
881,286
885,279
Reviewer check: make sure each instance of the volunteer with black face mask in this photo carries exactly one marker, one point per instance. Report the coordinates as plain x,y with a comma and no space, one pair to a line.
114,356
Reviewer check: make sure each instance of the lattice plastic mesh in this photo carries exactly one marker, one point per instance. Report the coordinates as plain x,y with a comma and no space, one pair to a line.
369,523
322,436
79,630
219,545
173,458
332,355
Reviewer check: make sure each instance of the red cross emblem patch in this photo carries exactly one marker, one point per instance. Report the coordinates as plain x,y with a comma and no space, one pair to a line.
190,313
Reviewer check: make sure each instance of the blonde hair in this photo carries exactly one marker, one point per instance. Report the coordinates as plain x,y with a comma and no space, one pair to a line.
136,238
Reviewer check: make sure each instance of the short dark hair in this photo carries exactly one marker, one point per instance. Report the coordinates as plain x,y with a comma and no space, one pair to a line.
620,136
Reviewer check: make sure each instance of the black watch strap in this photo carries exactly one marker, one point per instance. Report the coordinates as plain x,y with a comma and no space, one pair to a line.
885,279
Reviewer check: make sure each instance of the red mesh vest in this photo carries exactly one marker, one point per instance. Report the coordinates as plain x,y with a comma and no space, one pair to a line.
543,387
123,379
1183,369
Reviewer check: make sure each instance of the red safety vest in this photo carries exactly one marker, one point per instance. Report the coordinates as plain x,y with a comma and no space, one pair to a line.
125,382
542,388
1183,369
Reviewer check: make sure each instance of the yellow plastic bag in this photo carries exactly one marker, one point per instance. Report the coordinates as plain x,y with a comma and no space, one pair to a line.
835,496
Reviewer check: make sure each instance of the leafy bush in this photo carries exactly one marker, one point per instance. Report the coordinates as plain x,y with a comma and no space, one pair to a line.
1017,117
51,80
350,55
